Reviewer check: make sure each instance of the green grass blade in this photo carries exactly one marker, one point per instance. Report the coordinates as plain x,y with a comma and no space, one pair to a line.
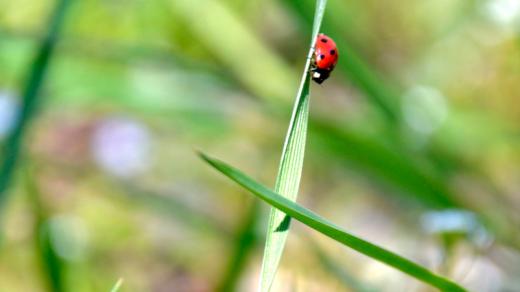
329,229
291,164
287,184
51,264
359,72
30,98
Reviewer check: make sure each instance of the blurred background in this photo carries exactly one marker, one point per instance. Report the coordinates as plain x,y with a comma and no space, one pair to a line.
414,142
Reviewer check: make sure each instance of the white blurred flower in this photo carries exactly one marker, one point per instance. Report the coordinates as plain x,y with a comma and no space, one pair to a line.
68,236
424,109
457,221
449,221
503,11
9,109
121,146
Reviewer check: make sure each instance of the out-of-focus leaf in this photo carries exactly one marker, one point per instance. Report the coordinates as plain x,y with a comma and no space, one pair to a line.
117,285
245,243
251,62
388,165
51,263
30,95
180,211
332,266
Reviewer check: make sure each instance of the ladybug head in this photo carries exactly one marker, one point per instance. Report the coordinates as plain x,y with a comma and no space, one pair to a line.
319,75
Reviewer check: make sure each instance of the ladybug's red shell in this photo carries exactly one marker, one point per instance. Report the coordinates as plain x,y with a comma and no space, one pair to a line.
325,58
326,52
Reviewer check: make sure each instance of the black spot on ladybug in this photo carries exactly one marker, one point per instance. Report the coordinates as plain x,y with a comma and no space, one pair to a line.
324,40
322,57
332,52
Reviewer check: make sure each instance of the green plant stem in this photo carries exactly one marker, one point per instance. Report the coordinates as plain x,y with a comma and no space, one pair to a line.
291,165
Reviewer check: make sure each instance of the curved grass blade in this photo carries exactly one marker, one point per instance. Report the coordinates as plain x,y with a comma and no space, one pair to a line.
291,164
326,227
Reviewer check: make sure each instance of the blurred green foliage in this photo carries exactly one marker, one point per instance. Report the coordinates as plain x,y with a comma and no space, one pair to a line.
420,116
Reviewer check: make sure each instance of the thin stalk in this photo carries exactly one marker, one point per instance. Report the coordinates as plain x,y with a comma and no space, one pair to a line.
290,169
30,95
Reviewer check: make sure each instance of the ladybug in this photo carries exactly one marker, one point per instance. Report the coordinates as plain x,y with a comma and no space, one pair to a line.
324,59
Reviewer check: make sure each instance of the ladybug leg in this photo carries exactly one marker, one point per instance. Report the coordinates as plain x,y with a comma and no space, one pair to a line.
311,58
315,74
